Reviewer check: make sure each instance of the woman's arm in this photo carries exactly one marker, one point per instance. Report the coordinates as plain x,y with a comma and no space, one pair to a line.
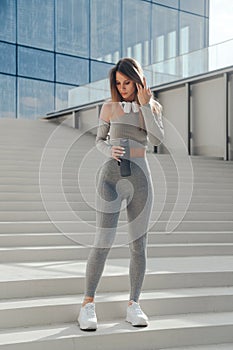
102,132
152,114
153,123
102,143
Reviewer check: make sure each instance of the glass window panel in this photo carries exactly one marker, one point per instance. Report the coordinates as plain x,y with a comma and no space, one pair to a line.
136,24
164,33
72,27
35,98
192,32
7,20
7,96
171,3
99,70
35,63
197,6
106,30
7,58
72,70
36,23
207,8
62,91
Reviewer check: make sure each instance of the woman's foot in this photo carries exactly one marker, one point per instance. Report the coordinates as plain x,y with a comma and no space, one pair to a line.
135,315
87,317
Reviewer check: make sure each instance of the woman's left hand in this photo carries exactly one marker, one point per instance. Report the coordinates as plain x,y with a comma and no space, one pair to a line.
144,93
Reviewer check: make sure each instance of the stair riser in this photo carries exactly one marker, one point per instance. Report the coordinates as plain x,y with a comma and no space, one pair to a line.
48,314
56,239
91,215
49,160
148,340
90,198
85,206
76,227
89,189
71,180
75,285
62,254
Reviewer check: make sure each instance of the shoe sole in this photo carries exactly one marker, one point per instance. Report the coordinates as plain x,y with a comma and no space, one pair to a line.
138,325
88,329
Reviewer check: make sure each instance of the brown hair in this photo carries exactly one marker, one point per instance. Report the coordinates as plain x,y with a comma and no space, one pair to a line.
132,69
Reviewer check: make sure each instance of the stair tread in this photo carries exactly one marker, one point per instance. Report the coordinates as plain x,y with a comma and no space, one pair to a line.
205,347
71,330
56,301
123,246
64,269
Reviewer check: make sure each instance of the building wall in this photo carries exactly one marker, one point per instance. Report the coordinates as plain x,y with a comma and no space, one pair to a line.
50,46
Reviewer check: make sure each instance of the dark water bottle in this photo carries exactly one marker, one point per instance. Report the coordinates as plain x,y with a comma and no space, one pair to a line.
125,168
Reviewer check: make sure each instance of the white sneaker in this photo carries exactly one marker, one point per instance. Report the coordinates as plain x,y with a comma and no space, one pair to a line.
136,316
87,317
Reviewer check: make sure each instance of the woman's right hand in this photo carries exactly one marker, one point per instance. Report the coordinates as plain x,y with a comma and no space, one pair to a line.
117,151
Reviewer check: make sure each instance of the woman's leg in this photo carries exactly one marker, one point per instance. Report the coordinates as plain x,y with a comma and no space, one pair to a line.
139,211
137,266
108,205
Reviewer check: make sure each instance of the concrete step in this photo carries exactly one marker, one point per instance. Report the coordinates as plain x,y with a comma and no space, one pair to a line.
43,279
225,346
163,332
111,306
89,226
59,239
70,215
14,174
54,253
90,197
28,205
90,188
71,179
30,279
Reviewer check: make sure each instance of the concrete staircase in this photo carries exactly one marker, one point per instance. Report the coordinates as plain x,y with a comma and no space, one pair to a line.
47,225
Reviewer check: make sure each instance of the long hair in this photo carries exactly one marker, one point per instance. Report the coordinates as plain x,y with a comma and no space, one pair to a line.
132,69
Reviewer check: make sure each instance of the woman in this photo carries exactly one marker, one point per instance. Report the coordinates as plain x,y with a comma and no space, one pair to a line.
130,118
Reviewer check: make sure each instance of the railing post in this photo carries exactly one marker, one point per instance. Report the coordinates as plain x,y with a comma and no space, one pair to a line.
226,113
188,104
75,117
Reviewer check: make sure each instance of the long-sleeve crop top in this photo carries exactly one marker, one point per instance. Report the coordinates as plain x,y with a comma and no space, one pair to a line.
115,123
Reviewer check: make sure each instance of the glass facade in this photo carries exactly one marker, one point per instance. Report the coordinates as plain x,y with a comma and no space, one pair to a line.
51,46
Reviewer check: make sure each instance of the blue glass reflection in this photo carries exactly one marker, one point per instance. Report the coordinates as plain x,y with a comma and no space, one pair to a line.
7,58
35,63
7,20
7,96
170,3
36,23
72,70
197,6
35,98
99,70
137,27
165,32
62,92
192,32
72,27
106,30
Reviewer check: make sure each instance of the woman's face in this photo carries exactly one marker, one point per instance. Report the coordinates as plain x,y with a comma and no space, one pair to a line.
126,87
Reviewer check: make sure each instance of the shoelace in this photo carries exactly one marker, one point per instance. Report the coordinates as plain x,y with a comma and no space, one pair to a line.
137,309
90,310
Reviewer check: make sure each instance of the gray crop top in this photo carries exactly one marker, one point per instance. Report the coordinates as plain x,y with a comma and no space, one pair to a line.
138,126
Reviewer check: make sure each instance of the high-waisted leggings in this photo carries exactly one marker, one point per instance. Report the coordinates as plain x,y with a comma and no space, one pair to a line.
112,189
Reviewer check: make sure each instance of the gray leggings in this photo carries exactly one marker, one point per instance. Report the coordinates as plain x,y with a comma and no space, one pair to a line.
112,189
